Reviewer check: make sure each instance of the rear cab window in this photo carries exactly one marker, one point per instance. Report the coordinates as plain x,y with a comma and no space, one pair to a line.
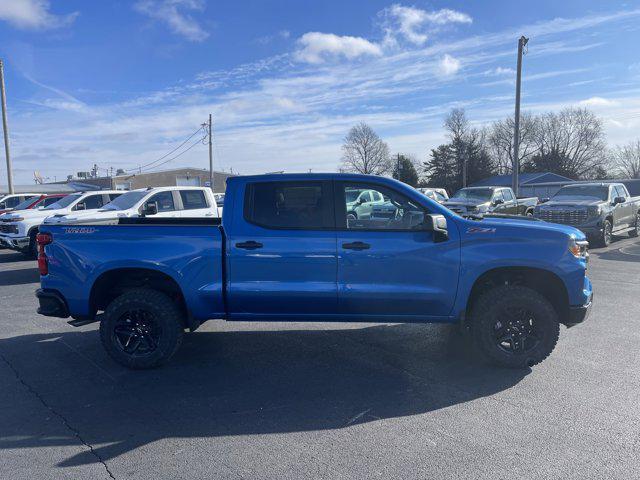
297,205
193,199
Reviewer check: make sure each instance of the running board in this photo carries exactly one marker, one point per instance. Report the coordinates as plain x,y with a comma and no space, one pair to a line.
79,322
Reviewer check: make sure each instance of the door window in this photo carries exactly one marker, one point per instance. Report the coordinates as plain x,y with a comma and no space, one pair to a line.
93,202
508,196
620,192
193,199
164,200
48,201
394,212
289,205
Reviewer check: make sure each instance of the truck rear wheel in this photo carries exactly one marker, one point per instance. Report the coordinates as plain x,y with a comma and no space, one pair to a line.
141,328
514,326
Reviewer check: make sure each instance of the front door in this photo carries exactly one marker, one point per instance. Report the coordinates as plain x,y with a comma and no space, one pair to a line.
282,251
389,266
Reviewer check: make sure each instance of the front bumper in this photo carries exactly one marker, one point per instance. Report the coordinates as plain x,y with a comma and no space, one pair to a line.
15,243
52,304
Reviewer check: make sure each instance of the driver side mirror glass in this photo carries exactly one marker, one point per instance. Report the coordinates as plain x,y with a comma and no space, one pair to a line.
618,200
498,201
150,208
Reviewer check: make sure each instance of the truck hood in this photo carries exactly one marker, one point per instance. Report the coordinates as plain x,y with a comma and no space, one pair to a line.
93,217
463,203
32,214
529,224
567,202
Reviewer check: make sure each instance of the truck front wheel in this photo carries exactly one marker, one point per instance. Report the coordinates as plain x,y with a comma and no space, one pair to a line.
514,326
141,328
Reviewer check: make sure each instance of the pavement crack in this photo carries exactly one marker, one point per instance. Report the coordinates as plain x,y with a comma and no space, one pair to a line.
62,418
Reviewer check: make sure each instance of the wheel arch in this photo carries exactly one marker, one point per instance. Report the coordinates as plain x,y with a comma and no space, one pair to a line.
545,282
114,282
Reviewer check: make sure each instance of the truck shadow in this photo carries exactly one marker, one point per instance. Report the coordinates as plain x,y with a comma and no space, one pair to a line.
7,256
232,383
19,277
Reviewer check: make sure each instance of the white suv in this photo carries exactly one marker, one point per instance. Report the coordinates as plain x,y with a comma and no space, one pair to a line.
156,202
19,229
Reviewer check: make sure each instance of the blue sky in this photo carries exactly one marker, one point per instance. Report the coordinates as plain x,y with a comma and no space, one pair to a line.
120,83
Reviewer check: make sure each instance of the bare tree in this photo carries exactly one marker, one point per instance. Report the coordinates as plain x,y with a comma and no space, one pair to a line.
365,152
500,141
627,159
571,142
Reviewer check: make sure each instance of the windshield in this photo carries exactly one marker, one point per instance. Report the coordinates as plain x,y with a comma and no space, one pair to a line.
600,192
126,200
64,202
25,204
473,193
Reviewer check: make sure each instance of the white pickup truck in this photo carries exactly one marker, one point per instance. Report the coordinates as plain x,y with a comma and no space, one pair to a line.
18,229
157,202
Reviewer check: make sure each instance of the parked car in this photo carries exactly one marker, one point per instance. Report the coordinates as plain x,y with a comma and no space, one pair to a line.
19,229
147,202
219,199
285,250
600,210
480,200
440,195
31,202
360,203
9,202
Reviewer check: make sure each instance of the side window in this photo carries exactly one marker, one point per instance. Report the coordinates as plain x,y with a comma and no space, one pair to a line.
396,212
289,205
193,199
93,202
12,202
164,201
48,201
620,191
508,196
113,196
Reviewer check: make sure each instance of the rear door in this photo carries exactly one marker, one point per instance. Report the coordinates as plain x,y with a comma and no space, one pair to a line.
392,266
281,251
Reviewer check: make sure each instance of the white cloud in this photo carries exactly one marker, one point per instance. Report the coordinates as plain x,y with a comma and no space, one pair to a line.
448,65
598,102
501,72
171,12
413,23
316,47
33,14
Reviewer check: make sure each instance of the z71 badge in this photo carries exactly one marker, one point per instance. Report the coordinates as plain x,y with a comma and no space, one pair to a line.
481,230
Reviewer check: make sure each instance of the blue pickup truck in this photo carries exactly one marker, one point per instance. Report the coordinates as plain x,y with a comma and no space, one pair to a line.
286,250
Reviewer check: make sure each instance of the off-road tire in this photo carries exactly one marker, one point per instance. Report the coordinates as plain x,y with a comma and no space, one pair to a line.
167,317
488,310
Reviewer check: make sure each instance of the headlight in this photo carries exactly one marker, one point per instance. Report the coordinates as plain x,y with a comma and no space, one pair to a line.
594,211
14,219
579,248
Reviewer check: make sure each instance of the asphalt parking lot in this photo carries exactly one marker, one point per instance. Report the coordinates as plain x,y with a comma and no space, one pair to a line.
271,400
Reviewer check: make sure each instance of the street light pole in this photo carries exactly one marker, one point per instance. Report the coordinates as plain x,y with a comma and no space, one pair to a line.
515,183
210,156
5,128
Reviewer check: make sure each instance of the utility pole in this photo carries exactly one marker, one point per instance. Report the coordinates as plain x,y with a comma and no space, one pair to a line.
515,183
5,128
464,167
210,156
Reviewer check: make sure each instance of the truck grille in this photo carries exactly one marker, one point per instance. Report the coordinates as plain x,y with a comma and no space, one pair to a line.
4,228
566,217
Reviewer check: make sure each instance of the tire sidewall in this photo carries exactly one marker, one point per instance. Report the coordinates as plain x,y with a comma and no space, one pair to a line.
165,315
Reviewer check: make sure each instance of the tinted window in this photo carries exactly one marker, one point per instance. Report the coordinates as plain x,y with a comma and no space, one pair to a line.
620,192
588,191
11,202
126,200
192,199
64,202
508,196
164,201
296,205
397,212
92,202
26,204
49,201
113,196
484,194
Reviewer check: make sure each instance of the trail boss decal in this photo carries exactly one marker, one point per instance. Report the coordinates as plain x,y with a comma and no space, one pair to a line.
79,230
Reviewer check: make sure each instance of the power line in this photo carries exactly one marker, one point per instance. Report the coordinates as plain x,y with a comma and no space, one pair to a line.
178,155
141,167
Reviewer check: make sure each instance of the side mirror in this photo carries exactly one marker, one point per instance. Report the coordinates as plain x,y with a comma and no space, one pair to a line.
438,225
498,201
150,208
618,200
81,206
